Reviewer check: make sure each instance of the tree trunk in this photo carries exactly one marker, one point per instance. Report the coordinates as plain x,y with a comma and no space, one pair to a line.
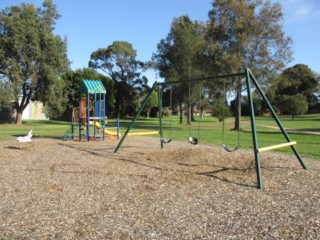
21,107
189,115
261,108
201,113
238,110
309,99
19,117
192,113
181,113
120,100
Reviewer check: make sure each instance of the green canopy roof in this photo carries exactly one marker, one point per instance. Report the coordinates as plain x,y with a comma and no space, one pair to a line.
92,86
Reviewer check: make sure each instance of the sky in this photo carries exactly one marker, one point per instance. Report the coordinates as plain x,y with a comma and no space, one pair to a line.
94,24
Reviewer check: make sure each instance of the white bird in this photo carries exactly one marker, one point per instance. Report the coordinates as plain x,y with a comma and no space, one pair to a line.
26,138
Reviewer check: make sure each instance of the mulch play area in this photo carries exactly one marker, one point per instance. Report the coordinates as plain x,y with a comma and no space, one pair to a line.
52,189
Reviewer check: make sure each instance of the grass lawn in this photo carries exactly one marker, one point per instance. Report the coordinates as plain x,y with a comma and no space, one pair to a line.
208,130
41,128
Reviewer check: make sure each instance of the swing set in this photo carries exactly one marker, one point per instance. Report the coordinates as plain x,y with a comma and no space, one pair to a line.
250,81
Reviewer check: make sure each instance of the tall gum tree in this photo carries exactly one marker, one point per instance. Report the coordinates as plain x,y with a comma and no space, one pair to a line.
119,62
177,59
32,58
247,34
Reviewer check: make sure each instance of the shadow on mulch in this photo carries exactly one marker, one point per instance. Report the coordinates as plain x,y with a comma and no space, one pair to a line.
211,174
21,147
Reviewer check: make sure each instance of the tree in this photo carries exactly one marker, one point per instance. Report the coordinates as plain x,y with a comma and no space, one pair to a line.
294,105
152,103
247,34
119,62
55,100
317,93
31,57
177,56
298,79
221,111
5,101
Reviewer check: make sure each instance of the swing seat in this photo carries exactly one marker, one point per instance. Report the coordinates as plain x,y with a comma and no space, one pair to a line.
193,140
225,147
165,141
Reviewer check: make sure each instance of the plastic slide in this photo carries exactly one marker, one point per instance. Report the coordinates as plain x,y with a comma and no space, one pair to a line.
114,132
107,131
98,126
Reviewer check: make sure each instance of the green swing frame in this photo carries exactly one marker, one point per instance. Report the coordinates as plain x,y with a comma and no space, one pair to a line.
249,78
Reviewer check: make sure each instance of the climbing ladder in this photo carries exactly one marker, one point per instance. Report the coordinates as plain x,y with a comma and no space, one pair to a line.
69,133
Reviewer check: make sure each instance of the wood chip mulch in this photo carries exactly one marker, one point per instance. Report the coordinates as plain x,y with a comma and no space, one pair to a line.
53,189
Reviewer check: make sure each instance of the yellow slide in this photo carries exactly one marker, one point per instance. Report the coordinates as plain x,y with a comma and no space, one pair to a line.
98,126
107,131
114,133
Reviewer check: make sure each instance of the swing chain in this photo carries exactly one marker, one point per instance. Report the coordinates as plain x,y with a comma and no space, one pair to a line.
225,147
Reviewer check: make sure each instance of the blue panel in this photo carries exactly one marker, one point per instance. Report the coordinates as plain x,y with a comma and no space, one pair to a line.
98,109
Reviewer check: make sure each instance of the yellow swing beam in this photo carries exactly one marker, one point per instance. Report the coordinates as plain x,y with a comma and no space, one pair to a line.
276,146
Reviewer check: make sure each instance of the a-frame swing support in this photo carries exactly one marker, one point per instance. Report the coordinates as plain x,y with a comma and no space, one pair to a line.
249,78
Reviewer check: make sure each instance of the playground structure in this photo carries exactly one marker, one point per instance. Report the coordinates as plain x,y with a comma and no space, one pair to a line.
250,82
91,110
90,120
90,117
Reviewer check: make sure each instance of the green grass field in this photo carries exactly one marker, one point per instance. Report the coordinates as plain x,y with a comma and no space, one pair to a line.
208,131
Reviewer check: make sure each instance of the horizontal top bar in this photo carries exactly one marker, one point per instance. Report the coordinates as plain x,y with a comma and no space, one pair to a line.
201,79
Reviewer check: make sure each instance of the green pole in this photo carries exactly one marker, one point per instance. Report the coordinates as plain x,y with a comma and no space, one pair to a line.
275,116
135,118
79,117
160,113
254,132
